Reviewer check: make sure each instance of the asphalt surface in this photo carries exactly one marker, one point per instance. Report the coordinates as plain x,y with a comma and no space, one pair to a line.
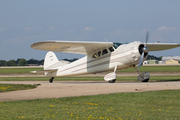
59,89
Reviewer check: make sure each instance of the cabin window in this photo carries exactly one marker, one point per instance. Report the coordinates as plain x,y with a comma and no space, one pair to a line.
104,52
99,53
94,55
111,49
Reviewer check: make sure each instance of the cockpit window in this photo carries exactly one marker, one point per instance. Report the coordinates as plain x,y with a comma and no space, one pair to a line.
116,45
111,49
104,52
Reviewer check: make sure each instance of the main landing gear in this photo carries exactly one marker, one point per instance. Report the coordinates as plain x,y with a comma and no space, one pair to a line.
144,77
111,77
51,79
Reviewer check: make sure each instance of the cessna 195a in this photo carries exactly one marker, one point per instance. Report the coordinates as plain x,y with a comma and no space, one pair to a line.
101,56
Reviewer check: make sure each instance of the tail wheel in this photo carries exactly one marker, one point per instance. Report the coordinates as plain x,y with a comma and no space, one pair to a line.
51,79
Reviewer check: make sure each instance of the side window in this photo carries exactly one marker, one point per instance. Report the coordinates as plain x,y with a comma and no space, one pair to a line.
99,53
94,55
111,49
104,52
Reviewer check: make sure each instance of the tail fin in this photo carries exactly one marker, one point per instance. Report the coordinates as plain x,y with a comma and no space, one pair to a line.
50,59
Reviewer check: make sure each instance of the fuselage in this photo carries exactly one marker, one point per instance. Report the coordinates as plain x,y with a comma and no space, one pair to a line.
123,56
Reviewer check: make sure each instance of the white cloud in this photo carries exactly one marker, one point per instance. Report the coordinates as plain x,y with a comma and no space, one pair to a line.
88,28
165,28
29,28
1,29
51,28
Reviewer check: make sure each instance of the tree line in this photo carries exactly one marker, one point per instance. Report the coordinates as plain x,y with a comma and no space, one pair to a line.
24,62
21,62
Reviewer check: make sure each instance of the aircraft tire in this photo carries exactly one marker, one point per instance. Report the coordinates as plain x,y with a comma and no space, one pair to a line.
112,81
51,79
146,80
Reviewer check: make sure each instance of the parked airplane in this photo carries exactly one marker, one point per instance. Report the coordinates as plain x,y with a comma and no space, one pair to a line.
101,56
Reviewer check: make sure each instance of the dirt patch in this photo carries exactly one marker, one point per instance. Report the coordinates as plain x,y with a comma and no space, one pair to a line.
78,88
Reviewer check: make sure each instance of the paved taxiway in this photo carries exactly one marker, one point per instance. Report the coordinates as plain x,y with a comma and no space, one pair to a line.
78,88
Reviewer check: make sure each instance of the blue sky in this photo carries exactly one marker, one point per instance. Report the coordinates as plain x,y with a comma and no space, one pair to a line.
23,22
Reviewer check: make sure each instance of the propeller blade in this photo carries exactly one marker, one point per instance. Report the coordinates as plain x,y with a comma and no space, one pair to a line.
141,60
147,37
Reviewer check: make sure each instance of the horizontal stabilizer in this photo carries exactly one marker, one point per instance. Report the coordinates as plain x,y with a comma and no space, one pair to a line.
43,71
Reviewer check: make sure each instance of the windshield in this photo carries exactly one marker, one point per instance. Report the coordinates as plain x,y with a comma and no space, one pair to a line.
116,45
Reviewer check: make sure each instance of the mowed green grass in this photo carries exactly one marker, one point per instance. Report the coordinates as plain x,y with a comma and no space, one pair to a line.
14,87
121,78
159,105
170,68
119,106
17,70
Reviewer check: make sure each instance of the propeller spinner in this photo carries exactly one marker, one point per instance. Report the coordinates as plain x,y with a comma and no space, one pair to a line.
144,50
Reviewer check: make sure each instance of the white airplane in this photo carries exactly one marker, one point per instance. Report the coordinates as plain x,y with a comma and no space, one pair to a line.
101,56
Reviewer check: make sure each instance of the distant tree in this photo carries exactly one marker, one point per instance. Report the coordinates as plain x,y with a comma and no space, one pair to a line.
71,60
32,61
160,58
17,61
11,63
151,57
22,62
41,62
3,63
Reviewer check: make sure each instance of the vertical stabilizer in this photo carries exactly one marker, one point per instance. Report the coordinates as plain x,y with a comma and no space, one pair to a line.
50,60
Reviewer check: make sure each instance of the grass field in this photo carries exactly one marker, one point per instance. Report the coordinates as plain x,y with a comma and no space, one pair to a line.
159,105
170,68
14,87
174,68
120,106
17,70
122,78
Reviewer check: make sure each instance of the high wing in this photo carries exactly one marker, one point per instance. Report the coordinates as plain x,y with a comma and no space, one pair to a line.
161,46
81,47
76,47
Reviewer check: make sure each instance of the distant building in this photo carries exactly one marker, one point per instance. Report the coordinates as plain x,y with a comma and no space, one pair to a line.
172,61
145,62
164,59
167,58
153,61
160,62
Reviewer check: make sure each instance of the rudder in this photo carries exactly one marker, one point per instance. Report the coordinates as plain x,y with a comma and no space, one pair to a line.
50,59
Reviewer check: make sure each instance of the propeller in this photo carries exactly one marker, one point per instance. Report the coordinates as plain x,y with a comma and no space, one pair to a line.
144,50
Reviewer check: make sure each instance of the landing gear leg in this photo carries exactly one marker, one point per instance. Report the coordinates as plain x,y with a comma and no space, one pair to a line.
51,79
111,77
144,77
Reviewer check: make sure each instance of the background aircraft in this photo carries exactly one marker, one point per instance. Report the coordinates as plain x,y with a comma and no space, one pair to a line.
101,56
